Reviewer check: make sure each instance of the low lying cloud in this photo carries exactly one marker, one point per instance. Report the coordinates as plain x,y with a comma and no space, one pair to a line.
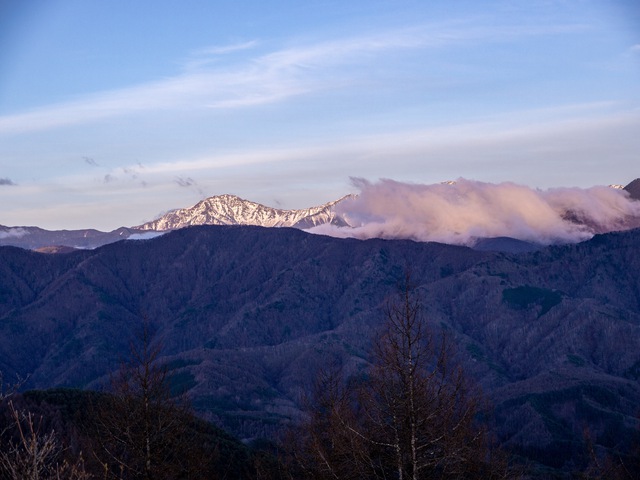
465,210
13,233
145,235
6,181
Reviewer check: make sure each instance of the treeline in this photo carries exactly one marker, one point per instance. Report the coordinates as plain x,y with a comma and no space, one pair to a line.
53,434
135,430
410,414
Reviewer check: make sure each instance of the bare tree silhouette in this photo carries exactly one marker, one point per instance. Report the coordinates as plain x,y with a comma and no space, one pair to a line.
414,415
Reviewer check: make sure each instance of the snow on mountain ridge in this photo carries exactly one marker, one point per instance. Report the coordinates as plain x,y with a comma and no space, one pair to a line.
232,210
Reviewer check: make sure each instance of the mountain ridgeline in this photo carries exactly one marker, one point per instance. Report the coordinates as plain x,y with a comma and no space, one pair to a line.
218,210
248,315
232,210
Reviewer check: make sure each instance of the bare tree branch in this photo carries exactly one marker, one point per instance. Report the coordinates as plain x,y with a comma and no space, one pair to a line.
412,416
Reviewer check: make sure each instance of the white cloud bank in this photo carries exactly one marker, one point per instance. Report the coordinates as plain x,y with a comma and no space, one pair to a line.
13,233
461,212
145,235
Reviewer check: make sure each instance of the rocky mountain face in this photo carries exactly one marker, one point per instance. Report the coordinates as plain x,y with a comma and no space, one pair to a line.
634,189
233,210
247,316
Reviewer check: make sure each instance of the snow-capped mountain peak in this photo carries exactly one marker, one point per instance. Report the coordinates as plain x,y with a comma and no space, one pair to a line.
232,210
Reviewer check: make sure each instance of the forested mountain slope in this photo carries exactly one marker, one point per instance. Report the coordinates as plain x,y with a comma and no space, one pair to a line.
247,315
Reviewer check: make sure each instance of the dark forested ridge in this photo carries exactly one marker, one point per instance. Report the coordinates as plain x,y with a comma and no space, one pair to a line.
247,315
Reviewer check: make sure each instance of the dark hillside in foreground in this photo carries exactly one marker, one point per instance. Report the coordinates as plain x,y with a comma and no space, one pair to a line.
73,417
247,315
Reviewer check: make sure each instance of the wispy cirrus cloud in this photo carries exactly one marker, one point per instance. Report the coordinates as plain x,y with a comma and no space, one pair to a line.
225,49
265,78
208,56
575,133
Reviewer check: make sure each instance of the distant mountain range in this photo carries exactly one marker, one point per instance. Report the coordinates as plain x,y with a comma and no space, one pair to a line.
218,210
35,238
248,315
232,210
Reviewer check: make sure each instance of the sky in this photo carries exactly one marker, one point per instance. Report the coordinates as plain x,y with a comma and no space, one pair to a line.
112,113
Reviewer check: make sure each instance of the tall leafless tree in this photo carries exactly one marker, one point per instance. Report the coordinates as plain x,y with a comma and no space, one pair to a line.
621,465
29,451
142,430
413,416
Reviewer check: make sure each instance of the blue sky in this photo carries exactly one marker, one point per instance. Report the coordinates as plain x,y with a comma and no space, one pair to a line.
114,112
